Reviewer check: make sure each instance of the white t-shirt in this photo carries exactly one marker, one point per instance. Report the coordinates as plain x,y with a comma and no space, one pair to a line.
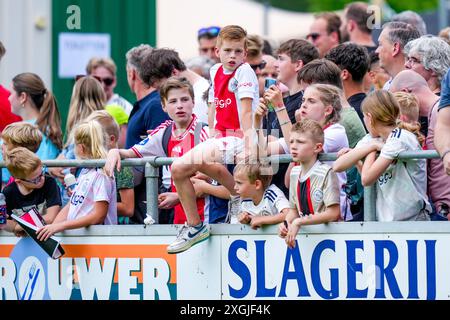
116,99
200,107
244,84
401,189
272,203
93,185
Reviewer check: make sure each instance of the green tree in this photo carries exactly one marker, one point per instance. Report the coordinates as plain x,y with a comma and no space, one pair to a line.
332,5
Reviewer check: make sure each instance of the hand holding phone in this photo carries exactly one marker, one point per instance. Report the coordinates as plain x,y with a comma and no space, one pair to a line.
267,84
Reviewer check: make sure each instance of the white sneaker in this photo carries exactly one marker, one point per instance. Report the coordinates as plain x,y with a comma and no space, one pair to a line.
187,237
234,208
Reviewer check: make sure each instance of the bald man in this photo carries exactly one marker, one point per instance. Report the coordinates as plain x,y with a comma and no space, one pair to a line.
438,181
412,82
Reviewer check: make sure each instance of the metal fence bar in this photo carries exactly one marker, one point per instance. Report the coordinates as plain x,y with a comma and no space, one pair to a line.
151,175
151,179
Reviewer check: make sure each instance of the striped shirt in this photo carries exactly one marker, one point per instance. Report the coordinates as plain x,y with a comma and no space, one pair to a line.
316,190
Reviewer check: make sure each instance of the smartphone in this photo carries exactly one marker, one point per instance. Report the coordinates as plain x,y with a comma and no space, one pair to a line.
267,84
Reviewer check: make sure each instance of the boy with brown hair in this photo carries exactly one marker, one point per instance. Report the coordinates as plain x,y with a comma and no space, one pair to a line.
172,138
314,186
31,188
262,202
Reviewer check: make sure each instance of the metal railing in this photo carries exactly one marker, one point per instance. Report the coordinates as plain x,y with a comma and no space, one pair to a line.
151,174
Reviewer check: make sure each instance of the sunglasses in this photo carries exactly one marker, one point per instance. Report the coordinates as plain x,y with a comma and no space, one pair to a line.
314,36
37,179
210,31
106,81
261,65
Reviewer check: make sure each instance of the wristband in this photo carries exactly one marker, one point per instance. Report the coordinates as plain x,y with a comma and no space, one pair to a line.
280,109
286,122
444,154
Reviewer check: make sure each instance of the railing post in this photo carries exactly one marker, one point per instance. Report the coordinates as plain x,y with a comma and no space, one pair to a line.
370,197
151,179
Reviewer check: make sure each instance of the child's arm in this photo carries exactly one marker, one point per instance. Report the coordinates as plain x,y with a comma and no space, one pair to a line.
331,213
168,200
275,96
125,208
51,214
96,216
346,160
202,187
287,176
113,159
259,221
373,168
283,227
247,124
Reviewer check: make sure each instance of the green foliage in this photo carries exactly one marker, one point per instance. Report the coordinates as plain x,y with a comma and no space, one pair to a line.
332,5
414,5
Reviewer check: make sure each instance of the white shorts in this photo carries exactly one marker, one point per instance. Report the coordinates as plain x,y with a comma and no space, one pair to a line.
229,147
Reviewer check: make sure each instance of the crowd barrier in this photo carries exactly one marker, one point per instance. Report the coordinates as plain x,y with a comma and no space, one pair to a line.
353,260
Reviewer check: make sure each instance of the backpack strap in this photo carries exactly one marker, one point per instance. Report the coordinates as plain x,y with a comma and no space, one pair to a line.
168,132
166,138
198,131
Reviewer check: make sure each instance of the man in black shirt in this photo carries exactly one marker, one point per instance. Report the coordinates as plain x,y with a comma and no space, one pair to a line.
353,60
292,56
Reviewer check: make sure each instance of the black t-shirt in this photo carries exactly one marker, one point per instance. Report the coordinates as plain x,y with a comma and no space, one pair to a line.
43,198
292,104
355,101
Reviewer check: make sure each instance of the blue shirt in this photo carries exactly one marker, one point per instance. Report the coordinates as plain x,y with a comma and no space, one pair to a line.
147,114
445,91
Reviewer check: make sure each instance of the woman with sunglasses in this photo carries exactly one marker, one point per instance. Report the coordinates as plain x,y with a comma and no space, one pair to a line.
105,70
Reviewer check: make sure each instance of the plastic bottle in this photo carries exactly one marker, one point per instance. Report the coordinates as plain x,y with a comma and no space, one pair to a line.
3,213
70,181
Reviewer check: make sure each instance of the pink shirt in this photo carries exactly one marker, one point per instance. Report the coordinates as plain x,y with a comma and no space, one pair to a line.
438,181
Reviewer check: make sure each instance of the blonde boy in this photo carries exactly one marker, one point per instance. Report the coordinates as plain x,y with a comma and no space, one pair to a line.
21,134
262,203
314,186
31,187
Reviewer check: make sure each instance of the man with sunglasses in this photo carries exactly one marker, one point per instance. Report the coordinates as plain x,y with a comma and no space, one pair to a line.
325,33
207,42
104,70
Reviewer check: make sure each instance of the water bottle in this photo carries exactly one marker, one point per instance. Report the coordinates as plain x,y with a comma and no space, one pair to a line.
70,181
3,213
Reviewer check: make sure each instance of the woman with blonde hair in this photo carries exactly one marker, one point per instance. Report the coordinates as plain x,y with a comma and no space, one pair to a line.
87,97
